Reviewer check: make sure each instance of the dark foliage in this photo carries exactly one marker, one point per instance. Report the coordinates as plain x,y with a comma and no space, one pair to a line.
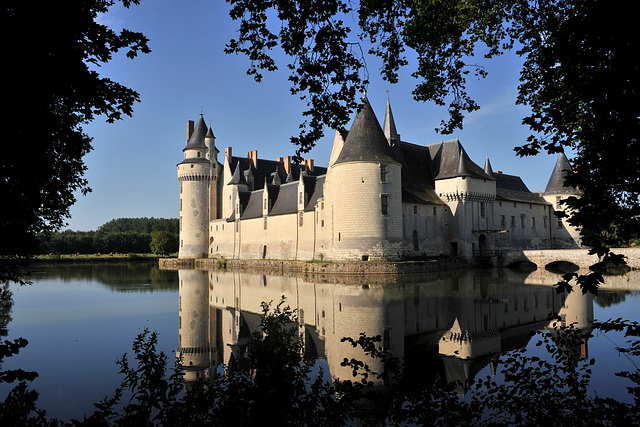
580,79
123,235
52,89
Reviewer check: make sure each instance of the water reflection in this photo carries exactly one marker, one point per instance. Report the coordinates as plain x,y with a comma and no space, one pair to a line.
448,324
138,276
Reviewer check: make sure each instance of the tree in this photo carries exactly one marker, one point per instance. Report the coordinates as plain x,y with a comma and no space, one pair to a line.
52,88
580,78
163,242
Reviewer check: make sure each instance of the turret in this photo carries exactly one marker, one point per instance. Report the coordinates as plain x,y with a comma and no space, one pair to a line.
194,174
563,234
366,180
389,128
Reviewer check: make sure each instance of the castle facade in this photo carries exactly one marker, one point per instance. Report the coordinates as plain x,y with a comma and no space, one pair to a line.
379,198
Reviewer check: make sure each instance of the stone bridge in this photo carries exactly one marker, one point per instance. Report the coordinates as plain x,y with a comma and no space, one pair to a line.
579,257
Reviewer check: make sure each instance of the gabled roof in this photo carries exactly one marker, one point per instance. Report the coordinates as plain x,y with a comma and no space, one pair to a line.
365,141
556,183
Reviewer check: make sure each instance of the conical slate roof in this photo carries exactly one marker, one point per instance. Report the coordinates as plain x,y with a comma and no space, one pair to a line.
556,181
366,140
197,137
450,160
389,127
487,168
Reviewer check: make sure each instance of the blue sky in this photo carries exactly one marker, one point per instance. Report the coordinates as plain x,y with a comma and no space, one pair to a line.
132,169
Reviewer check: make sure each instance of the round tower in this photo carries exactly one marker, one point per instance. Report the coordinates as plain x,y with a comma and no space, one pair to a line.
364,188
194,174
564,235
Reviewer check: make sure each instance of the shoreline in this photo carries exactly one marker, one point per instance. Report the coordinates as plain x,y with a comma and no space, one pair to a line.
316,267
80,259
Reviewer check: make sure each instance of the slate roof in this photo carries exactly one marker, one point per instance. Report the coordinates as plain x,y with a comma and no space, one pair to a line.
512,188
556,181
365,141
287,201
266,170
197,137
421,166
316,194
253,209
194,160
450,160
417,179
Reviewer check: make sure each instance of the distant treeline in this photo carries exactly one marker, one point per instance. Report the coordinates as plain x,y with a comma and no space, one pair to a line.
122,235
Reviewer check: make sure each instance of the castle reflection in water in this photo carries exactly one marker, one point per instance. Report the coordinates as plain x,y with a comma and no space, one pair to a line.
449,324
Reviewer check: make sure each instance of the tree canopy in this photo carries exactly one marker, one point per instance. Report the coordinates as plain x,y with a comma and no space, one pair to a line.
580,78
52,89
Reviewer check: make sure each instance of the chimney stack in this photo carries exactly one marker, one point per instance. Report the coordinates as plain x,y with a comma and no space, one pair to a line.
253,155
190,125
287,164
309,164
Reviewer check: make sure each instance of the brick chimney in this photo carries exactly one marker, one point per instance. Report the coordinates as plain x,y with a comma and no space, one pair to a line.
309,164
287,164
190,125
253,155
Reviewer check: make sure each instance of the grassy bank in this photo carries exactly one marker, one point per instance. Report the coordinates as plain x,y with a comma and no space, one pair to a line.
111,257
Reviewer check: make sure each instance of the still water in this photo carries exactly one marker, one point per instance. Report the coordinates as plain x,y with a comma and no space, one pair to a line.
79,319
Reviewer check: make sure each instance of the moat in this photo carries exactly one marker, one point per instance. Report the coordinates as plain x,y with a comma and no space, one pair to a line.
454,324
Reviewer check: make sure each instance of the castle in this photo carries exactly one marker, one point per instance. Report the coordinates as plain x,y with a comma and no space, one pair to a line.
379,198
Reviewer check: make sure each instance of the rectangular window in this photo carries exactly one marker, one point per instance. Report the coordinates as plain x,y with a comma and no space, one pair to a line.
383,173
503,221
522,219
434,211
533,222
483,210
513,221
415,209
384,204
